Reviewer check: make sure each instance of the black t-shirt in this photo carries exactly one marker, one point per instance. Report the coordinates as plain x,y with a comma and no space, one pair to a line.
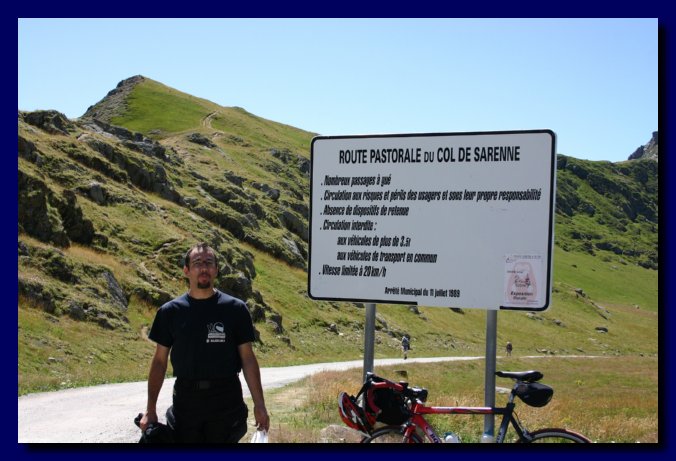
203,335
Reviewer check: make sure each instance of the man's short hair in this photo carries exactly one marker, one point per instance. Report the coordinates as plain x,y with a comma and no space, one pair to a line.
200,247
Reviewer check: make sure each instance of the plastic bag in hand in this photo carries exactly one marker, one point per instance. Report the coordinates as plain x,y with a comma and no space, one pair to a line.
260,436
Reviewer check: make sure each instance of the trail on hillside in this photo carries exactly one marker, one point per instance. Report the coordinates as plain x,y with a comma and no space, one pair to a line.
104,414
206,121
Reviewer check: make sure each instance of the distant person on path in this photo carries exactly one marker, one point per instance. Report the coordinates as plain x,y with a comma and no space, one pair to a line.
209,335
405,345
508,348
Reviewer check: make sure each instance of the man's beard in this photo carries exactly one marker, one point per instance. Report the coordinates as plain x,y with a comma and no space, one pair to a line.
204,285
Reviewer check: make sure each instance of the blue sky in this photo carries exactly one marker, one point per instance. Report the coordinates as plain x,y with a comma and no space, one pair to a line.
594,82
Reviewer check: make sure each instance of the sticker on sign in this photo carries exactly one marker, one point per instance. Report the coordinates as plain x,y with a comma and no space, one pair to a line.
441,219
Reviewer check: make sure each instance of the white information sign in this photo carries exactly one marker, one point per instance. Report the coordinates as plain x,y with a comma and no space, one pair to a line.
443,219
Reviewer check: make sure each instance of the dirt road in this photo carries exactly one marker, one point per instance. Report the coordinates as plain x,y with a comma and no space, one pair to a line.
104,414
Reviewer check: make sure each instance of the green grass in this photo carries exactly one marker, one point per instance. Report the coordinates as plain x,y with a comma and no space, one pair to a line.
259,131
153,106
612,282
60,353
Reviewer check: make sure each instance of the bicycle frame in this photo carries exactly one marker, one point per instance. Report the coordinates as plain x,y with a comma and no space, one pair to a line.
418,410
415,398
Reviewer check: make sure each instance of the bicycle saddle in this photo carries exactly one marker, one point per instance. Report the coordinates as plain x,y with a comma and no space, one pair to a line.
525,376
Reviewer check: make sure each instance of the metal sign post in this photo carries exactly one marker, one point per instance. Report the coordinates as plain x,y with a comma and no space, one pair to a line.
489,391
369,338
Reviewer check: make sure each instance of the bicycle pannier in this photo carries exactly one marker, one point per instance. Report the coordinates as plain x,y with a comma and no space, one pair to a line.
387,405
155,432
535,394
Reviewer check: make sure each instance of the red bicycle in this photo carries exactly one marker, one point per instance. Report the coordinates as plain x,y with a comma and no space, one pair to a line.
402,409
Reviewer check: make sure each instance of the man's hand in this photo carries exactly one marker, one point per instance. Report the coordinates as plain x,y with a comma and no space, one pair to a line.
261,417
148,418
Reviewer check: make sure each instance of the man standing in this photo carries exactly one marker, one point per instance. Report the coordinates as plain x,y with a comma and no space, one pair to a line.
208,335
405,345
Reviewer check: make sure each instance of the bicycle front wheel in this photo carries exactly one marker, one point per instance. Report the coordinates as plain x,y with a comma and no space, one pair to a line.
555,436
391,434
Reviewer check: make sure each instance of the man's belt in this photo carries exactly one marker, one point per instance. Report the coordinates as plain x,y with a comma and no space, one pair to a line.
204,384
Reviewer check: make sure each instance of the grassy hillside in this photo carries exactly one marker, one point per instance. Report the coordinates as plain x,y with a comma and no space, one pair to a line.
109,203
608,209
153,107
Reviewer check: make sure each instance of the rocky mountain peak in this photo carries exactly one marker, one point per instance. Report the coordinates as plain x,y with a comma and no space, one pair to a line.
114,102
647,151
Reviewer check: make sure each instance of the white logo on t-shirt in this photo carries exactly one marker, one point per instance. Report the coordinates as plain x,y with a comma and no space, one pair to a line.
216,333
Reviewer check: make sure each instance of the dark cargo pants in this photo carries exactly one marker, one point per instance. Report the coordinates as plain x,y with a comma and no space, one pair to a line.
211,413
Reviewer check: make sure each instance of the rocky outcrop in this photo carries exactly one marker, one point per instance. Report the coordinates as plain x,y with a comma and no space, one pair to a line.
275,320
78,228
116,293
239,261
200,139
114,102
129,139
284,249
27,150
227,221
236,199
299,207
51,121
38,214
152,295
96,192
149,175
233,178
335,433
96,162
80,290
287,157
295,224
648,151
257,312
237,285
50,218
271,192
39,294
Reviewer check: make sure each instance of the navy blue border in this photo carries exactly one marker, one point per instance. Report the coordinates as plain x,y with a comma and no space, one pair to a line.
78,8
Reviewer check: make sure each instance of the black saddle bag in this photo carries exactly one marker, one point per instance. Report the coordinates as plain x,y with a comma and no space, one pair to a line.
155,432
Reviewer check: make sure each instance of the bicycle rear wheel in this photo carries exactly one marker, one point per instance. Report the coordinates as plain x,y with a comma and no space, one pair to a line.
391,434
556,436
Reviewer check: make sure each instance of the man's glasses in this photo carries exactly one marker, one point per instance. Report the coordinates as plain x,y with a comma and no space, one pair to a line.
199,264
